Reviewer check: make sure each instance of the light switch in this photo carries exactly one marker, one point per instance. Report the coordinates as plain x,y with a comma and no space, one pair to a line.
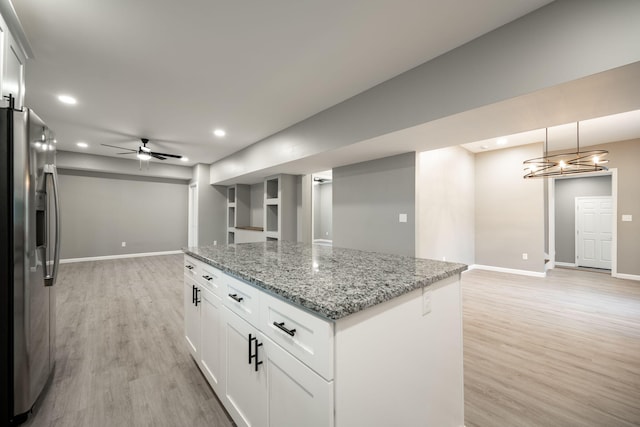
402,218
627,218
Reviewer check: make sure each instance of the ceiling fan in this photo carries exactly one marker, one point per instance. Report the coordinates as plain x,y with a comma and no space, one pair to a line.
144,153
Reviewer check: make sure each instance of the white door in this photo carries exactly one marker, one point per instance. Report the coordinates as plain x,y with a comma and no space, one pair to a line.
193,215
210,351
245,387
594,227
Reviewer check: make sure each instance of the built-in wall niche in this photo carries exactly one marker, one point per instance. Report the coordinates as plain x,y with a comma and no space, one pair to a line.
280,211
245,213
272,218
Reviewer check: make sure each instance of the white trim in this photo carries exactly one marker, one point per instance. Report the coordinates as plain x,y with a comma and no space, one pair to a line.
552,229
566,264
507,270
100,258
626,276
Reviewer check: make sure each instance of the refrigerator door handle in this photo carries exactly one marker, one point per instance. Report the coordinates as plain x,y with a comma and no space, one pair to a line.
50,279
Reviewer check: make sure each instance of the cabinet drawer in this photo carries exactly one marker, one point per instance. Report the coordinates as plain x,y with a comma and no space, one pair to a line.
190,267
242,299
211,279
302,334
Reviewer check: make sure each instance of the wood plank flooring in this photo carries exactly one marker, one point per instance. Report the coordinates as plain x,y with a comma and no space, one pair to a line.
559,351
121,355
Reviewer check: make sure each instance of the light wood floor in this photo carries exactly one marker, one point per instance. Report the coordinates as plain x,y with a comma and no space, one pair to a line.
560,351
121,356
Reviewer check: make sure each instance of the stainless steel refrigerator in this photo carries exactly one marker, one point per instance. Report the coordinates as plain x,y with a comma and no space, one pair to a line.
29,258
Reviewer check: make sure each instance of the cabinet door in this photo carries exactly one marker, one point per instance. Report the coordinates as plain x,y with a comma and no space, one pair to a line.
211,339
192,317
13,76
245,389
297,396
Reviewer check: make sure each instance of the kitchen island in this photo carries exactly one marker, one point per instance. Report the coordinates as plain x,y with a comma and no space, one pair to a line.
290,334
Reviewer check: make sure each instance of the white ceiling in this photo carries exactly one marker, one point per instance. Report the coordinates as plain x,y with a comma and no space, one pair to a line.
173,71
601,130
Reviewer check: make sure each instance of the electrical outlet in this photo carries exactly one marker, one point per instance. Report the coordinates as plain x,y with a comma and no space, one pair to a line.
525,256
215,242
426,301
124,244
402,218
444,258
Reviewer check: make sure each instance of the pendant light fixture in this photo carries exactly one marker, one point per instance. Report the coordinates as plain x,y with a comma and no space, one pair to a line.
565,163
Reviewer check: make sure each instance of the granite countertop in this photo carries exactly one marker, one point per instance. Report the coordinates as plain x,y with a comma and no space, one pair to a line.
330,282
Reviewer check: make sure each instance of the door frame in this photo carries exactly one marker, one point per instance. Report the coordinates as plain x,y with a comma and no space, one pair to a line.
576,225
551,214
192,220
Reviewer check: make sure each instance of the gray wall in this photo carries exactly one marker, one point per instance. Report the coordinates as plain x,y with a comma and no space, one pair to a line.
367,198
563,41
509,210
446,205
212,205
322,211
566,191
256,217
99,211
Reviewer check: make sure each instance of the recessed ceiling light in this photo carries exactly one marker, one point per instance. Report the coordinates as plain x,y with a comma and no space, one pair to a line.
484,147
184,159
501,141
66,99
82,144
219,133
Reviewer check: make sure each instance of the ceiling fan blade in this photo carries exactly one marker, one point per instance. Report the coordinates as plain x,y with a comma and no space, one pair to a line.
157,156
175,156
133,152
119,148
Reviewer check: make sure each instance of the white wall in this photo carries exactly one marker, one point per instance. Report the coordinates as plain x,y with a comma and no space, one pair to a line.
509,218
446,205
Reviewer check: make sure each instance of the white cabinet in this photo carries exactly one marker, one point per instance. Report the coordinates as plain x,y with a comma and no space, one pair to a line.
266,386
203,318
210,354
192,316
245,390
12,68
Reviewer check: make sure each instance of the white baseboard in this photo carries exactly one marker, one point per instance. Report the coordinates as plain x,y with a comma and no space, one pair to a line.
507,270
626,276
100,258
566,264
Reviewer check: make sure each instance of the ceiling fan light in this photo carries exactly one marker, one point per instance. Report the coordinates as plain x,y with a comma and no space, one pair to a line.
143,156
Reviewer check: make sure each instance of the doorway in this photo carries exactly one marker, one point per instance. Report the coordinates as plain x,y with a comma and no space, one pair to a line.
322,207
566,228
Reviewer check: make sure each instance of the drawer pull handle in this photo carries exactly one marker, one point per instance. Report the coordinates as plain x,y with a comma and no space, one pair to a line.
189,267
280,326
235,297
207,277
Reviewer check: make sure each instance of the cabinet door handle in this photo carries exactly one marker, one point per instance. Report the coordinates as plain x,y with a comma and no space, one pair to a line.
197,299
251,339
235,297
255,360
281,326
207,277
189,267
193,294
